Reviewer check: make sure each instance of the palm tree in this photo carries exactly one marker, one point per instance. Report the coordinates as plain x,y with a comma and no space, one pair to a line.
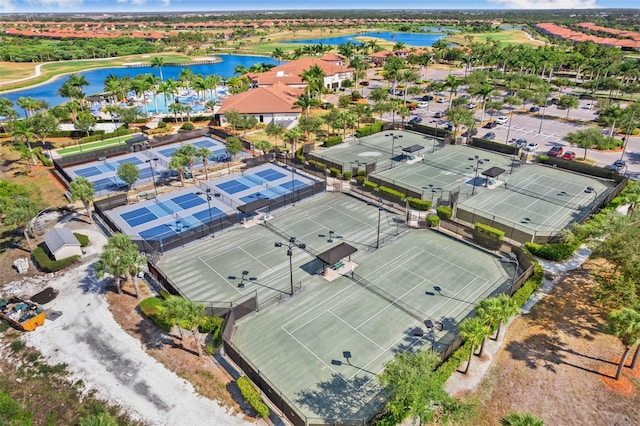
293,135
21,131
452,82
494,311
278,54
158,62
473,330
120,258
184,314
274,130
204,153
82,189
179,163
314,77
305,102
483,92
212,82
625,325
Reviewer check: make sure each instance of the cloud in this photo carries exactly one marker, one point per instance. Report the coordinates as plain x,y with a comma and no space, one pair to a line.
138,2
56,4
547,4
6,6
166,2
121,1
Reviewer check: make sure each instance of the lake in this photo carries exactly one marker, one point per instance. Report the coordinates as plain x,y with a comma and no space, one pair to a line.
410,39
48,92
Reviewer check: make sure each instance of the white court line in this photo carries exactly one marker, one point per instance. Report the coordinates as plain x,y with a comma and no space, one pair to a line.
254,258
354,329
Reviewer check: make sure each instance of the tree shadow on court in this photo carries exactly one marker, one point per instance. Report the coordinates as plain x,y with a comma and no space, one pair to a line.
358,397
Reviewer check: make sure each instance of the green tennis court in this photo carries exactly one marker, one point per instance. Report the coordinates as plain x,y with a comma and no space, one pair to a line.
447,169
325,346
376,149
537,200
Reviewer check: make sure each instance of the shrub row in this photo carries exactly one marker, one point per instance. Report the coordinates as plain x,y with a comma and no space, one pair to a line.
433,221
368,130
370,185
48,265
553,251
334,172
213,326
187,127
336,140
317,164
82,239
44,160
157,131
524,293
360,179
347,176
99,135
444,212
392,193
419,204
152,309
489,231
252,396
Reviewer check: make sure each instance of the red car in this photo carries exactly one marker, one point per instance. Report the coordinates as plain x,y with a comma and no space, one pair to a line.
569,155
556,151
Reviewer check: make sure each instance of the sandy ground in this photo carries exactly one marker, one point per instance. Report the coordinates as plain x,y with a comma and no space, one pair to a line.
107,359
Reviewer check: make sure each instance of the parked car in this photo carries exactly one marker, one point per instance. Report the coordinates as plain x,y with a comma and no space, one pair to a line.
531,147
448,126
617,165
490,125
569,155
415,120
470,132
438,114
423,104
520,142
364,83
502,119
427,98
440,100
472,105
534,109
465,96
588,106
489,136
555,151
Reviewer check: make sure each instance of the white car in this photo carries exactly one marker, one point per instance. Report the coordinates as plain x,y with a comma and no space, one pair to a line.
471,106
423,105
502,119
531,147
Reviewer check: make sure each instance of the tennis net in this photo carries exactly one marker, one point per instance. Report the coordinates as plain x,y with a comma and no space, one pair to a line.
255,179
563,202
368,285
376,147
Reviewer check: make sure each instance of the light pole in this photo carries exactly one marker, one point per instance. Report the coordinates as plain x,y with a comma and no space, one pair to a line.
152,175
378,204
208,191
544,107
592,190
509,128
393,144
626,138
513,258
291,244
479,161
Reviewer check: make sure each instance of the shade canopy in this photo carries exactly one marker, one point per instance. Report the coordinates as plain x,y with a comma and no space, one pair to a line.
254,205
493,172
413,148
337,253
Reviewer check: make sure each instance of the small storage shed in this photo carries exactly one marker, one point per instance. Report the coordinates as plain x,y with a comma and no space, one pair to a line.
62,243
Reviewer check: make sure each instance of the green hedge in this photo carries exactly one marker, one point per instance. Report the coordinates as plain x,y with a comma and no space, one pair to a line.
187,127
47,265
489,230
40,155
418,204
252,396
370,185
444,212
334,172
524,293
82,239
488,236
433,221
552,251
392,193
318,165
336,140
152,308
347,176
369,130
213,326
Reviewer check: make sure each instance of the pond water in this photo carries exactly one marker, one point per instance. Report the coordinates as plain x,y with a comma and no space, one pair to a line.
410,39
49,91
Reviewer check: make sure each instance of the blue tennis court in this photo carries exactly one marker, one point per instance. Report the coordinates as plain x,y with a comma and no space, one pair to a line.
203,144
138,216
169,206
159,232
293,185
108,183
132,160
203,216
146,173
88,172
232,187
167,152
188,200
270,174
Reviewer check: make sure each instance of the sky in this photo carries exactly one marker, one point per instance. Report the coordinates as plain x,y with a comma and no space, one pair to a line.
90,6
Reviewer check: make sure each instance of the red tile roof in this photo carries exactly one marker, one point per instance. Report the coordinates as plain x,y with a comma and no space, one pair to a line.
278,98
567,34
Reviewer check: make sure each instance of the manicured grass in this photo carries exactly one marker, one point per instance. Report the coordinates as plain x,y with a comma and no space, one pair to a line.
93,146
508,37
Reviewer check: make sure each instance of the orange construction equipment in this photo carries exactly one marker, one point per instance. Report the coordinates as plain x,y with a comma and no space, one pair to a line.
22,314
